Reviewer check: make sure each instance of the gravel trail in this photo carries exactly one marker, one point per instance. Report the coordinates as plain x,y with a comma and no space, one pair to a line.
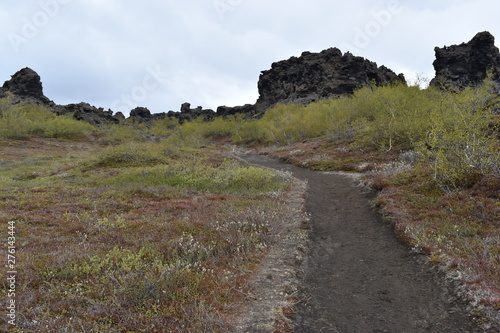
359,277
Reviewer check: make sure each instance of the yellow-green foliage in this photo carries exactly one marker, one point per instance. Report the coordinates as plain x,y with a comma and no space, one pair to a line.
118,133
459,146
130,154
195,133
452,131
382,117
164,164
22,121
163,127
396,116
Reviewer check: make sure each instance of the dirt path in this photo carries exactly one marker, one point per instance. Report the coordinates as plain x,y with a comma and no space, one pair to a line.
359,277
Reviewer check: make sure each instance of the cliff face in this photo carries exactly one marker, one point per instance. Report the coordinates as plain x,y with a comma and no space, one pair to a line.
314,76
458,66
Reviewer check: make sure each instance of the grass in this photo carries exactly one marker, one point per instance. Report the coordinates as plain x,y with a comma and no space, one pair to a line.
135,228
22,121
142,237
433,157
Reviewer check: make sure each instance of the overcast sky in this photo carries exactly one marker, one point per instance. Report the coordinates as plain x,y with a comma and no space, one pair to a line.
120,54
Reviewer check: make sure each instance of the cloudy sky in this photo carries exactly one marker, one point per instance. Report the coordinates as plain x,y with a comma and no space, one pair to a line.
120,54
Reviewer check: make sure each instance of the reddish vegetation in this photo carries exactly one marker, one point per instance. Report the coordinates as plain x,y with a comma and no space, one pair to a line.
324,155
113,258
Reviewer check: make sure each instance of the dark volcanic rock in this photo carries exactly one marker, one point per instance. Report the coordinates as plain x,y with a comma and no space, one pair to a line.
88,113
459,66
225,111
119,116
188,114
185,107
26,85
314,76
140,114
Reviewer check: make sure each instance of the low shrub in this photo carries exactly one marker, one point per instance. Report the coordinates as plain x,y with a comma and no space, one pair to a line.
120,133
130,154
228,177
23,121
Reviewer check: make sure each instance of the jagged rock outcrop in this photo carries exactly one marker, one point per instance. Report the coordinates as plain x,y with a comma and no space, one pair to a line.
314,76
140,114
188,114
303,79
119,116
458,66
143,115
26,85
88,113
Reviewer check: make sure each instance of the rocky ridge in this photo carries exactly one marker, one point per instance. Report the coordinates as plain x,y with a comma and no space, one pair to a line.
314,76
304,79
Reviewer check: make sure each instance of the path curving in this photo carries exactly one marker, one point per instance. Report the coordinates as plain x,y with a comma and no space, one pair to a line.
359,277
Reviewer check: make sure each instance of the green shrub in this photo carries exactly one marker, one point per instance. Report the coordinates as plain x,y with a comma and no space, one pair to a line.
118,133
459,147
66,127
229,177
23,121
163,127
232,177
383,117
165,164
130,155
393,117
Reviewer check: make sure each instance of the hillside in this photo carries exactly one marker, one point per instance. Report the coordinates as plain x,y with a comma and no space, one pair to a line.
154,221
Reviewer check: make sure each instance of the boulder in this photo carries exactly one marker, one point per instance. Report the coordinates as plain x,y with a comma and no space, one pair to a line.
140,114
119,116
185,107
314,76
458,66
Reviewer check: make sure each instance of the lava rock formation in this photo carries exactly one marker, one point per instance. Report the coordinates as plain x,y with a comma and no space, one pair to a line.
459,66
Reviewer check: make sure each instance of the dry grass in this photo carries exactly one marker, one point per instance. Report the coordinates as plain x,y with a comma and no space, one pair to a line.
98,252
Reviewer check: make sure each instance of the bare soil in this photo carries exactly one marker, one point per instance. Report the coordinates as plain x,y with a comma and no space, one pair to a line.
357,276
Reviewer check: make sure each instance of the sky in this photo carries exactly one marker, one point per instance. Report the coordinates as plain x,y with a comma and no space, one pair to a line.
120,54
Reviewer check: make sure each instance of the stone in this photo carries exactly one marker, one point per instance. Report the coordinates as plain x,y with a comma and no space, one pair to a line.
459,66
225,111
140,114
89,113
26,84
314,76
